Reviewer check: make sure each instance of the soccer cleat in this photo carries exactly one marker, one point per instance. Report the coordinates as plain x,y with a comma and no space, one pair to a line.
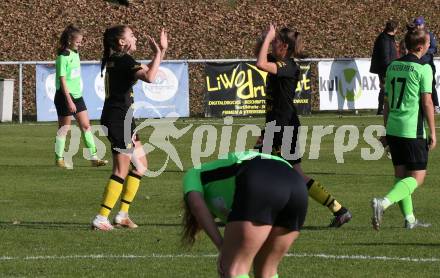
101,223
341,219
416,224
99,162
378,210
124,222
62,164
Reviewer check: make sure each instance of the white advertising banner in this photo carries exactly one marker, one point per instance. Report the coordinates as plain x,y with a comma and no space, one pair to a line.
167,96
347,85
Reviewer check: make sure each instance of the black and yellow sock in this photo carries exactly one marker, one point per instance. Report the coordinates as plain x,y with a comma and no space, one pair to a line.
320,195
111,195
130,189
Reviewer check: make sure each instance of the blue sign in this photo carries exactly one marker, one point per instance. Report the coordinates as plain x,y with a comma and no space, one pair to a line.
167,96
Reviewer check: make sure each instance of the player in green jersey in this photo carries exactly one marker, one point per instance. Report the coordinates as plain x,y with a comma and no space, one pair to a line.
68,97
262,201
408,105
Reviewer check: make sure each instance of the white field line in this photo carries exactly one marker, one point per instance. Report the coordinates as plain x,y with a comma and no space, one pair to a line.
173,256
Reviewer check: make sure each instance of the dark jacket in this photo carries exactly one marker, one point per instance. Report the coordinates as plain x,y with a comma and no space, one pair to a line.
429,56
384,52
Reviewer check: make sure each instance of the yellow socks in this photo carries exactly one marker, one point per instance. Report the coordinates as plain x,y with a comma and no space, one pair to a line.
111,195
130,189
320,194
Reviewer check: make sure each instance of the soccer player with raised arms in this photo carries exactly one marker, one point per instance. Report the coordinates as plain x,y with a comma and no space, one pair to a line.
122,72
68,97
282,80
408,108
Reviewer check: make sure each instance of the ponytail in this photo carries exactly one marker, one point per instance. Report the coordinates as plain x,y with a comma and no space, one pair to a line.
298,51
106,52
293,39
110,43
190,227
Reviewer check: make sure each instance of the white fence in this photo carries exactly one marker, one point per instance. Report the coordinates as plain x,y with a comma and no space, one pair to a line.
21,64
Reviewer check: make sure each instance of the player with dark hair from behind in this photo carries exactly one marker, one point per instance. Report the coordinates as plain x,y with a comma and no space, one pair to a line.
283,75
122,72
68,97
408,104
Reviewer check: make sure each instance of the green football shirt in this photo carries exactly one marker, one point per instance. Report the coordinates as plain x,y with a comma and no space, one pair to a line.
407,79
68,65
216,181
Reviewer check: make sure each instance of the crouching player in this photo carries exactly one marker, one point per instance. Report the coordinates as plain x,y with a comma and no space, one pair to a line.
263,202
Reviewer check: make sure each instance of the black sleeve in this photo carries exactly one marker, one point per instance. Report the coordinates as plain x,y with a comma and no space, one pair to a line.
387,45
287,68
432,45
130,64
270,58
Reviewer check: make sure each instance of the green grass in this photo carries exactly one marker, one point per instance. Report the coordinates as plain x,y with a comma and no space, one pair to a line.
45,214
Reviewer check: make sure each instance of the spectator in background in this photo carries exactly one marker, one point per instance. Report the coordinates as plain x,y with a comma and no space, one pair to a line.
419,22
402,48
384,51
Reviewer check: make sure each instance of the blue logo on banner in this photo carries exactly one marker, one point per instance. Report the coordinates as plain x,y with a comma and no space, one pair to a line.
168,95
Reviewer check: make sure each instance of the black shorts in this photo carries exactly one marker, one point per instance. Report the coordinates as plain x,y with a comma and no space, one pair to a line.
412,153
269,192
277,145
116,134
61,105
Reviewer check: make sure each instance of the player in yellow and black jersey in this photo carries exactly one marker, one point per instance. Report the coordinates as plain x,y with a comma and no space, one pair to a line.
122,72
282,80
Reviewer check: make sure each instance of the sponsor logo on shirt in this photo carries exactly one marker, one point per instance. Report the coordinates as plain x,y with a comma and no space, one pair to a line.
75,73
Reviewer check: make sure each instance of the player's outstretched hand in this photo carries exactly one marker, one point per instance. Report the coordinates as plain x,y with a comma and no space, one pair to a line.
153,45
271,32
163,39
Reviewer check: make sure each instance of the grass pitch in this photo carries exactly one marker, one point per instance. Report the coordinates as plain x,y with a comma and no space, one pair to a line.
45,213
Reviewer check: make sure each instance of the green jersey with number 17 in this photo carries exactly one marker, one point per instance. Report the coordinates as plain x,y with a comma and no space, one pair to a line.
407,79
